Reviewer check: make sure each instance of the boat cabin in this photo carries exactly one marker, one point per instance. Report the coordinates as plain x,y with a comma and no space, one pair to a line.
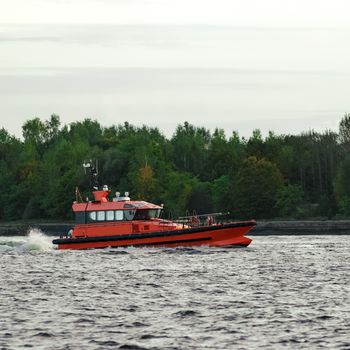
120,209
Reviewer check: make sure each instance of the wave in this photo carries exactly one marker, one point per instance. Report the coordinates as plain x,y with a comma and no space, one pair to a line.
35,240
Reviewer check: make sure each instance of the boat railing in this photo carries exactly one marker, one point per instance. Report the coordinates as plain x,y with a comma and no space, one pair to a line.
199,220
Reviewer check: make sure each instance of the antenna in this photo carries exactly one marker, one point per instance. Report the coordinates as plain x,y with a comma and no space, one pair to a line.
88,166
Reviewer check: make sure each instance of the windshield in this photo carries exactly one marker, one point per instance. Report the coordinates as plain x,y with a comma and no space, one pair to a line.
147,214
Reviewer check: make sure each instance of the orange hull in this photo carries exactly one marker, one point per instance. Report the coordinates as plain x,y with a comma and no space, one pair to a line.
230,234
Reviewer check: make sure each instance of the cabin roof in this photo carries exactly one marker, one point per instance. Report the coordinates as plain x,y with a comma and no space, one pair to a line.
118,205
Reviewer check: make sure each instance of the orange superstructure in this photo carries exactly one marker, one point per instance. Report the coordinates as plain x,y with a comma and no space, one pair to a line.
122,222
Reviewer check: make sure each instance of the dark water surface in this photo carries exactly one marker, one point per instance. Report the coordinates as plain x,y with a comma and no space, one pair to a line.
281,292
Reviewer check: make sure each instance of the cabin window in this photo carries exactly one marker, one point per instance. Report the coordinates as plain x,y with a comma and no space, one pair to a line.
147,214
119,215
154,213
101,215
80,217
129,214
109,215
92,215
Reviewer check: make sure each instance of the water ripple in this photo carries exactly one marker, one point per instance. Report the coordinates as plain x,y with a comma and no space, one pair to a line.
290,292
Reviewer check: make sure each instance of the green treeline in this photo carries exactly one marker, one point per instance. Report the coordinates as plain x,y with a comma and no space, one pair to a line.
279,176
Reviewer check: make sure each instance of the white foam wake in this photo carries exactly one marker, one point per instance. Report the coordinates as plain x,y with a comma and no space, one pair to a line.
34,240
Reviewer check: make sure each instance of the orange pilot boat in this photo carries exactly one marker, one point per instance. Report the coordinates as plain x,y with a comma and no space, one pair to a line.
122,222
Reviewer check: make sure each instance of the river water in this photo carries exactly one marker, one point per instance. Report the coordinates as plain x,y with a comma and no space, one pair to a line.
281,292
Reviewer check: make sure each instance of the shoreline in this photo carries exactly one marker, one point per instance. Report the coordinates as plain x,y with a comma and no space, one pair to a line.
301,227
263,228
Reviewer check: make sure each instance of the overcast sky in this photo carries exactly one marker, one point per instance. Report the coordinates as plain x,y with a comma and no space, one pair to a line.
239,65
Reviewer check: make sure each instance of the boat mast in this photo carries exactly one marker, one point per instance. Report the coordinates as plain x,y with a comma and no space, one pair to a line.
93,172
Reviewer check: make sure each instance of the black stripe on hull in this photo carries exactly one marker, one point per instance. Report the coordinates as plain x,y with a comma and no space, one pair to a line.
165,243
134,236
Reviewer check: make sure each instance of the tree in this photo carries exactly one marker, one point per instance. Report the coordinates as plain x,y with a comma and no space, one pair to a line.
190,145
88,130
344,130
194,169
145,184
40,132
200,199
34,130
176,192
342,187
255,189
10,151
255,145
289,199
220,189
223,156
59,173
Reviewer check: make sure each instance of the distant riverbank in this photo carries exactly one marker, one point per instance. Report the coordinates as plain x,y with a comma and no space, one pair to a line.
263,228
302,227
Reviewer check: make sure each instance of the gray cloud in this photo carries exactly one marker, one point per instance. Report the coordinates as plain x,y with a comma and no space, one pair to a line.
229,99
4,38
164,36
235,78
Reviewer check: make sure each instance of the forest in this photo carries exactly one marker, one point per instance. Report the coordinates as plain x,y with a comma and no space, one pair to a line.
278,176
